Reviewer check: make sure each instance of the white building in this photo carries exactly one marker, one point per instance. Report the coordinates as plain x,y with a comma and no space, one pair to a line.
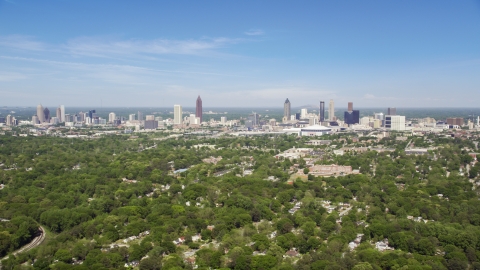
34,120
131,117
395,122
62,113
111,117
177,114
364,121
303,113
223,120
193,120
9,120
315,130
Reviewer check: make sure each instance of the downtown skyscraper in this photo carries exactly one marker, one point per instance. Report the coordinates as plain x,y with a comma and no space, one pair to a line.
331,111
177,115
40,113
321,113
199,109
286,110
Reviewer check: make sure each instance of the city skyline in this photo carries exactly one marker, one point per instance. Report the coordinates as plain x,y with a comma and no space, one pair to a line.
404,54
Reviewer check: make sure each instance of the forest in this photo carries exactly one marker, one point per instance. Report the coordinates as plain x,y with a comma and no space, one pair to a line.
114,202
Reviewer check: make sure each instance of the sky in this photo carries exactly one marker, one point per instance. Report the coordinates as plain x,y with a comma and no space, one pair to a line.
240,53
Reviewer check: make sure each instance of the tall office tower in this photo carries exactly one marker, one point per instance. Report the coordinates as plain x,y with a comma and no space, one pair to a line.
223,119
111,117
40,115
392,111
321,114
91,113
140,116
199,109
150,117
286,109
303,113
46,114
62,113
131,117
81,117
351,116
254,118
331,110
59,114
177,115
9,120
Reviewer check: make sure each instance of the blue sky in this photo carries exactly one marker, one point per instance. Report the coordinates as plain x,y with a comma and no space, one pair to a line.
240,53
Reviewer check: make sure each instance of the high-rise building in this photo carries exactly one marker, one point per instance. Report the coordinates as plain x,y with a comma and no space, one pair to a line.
199,109
140,116
150,117
395,122
9,120
131,117
177,115
111,117
46,114
34,120
351,116
254,118
331,110
40,113
59,114
223,119
303,113
392,111
286,109
62,113
92,114
321,114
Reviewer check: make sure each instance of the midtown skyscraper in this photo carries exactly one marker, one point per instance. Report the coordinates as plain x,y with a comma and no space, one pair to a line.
351,116
46,114
177,115
199,109
59,114
40,113
62,113
331,110
321,113
286,110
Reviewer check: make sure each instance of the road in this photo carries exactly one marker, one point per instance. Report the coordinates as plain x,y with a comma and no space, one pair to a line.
35,242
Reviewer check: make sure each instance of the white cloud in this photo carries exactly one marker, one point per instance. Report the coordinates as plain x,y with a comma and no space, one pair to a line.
104,47
21,42
254,32
10,77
